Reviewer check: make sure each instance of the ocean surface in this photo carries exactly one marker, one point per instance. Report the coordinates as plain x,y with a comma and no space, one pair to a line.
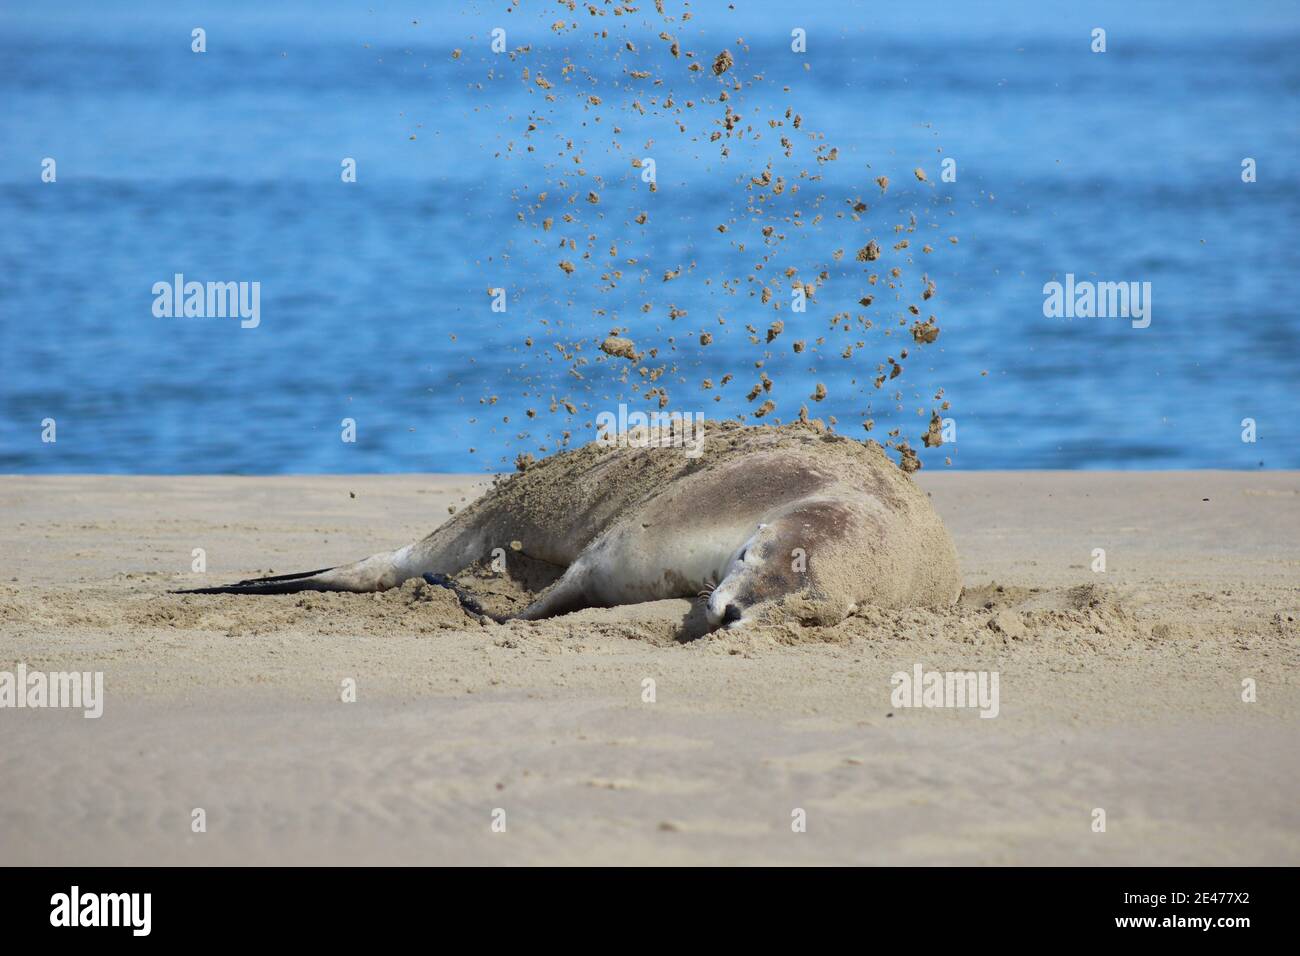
226,166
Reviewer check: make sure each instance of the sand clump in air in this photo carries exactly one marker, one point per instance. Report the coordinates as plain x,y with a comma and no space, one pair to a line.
620,348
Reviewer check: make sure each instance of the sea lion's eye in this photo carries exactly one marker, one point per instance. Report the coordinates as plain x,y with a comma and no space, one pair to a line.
743,553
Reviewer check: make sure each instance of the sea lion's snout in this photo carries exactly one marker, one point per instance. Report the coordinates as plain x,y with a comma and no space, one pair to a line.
723,615
720,611
714,609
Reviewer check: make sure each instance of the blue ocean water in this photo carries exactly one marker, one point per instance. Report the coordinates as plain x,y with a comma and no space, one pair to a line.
225,166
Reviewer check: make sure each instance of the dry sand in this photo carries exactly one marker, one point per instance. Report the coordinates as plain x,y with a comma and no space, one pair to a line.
1119,691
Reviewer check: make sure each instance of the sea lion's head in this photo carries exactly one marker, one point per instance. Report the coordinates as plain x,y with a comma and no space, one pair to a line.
745,580
784,560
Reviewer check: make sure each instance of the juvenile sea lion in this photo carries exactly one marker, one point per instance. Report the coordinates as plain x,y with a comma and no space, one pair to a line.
764,514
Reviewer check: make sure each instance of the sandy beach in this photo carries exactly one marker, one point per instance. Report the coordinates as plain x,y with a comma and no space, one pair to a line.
1119,690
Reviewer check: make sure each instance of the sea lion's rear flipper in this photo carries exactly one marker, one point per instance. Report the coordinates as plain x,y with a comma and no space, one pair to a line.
379,572
276,584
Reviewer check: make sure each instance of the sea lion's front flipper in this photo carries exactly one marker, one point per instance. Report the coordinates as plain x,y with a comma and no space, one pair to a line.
567,594
467,600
